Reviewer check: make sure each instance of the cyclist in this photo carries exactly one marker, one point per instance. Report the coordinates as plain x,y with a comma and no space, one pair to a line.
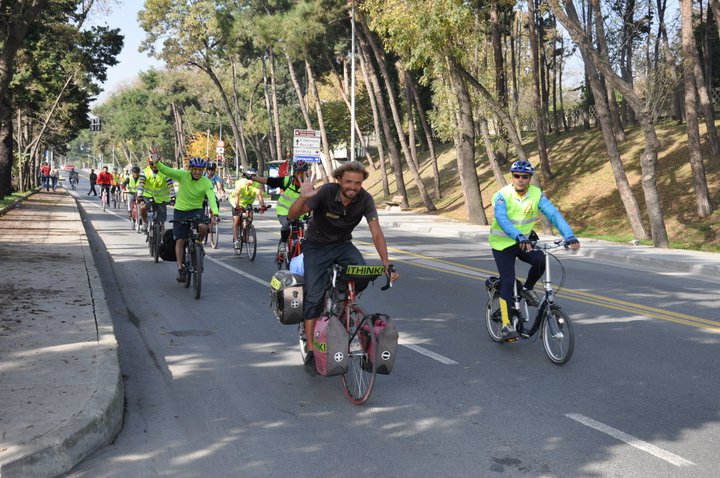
73,175
117,181
193,188
216,181
155,185
130,186
291,191
516,208
244,195
337,209
105,180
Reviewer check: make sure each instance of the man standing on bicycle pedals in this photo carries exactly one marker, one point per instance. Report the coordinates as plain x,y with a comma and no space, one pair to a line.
291,191
244,195
191,192
516,208
105,180
157,186
337,209
130,185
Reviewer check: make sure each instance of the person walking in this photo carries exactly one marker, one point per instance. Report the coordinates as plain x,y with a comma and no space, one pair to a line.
93,181
54,178
45,176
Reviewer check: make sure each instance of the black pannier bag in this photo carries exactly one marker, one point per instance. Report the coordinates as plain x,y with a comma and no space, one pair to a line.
167,248
286,297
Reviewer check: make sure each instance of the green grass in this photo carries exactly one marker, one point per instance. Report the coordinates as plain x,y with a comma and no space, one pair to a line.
12,197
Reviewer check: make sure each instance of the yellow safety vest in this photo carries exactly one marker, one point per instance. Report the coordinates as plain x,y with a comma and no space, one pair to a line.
156,186
522,211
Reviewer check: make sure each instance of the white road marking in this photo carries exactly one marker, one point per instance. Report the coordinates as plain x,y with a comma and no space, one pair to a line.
631,440
238,271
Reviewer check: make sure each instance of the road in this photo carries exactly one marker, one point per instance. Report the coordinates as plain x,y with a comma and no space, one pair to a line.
215,387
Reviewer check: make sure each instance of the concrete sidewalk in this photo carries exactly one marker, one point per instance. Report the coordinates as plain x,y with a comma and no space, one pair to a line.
60,384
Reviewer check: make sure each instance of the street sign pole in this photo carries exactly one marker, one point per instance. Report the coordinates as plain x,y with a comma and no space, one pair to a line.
352,83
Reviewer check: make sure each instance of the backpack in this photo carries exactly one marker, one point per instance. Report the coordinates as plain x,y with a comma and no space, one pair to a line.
387,335
167,247
330,341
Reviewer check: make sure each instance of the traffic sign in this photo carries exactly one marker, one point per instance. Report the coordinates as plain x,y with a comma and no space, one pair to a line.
220,150
221,144
307,159
306,145
306,152
307,133
304,142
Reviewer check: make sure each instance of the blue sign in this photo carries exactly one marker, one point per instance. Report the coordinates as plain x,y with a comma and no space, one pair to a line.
307,158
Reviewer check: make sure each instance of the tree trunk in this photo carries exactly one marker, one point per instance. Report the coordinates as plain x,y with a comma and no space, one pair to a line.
494,165
465,146
364,50
428,135
385,73
326,165
702,196
537,104
376,124
706,102
275,109
298,92
412,142
648,159
613,108
268,107
715,5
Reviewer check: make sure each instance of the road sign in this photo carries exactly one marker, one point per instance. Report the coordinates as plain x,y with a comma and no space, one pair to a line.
221,144
220,150
306,145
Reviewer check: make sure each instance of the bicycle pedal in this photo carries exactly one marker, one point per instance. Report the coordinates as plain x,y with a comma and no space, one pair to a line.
511,340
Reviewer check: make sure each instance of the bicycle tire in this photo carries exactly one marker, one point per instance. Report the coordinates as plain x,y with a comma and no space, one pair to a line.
241,239
189,253
280,257
359,380
251,243
150,239
197,265
158,240
493,320
302,340
214,235
558,337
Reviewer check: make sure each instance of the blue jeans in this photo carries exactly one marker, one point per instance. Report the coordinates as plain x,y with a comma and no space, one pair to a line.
318,260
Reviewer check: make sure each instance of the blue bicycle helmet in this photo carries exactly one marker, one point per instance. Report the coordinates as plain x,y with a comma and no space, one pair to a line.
301,166
197,162
522,167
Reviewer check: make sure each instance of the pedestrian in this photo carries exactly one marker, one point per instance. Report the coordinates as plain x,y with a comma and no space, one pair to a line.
54,178
93,180
45,176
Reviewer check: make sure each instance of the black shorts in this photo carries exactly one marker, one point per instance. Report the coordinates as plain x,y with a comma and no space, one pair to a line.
180,230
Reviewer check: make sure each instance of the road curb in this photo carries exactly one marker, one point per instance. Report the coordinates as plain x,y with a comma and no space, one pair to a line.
16,202
100,420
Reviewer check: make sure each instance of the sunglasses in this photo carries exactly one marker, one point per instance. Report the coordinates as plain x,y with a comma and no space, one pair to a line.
521,176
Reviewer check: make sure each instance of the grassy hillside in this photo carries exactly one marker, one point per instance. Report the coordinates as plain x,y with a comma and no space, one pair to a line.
584,187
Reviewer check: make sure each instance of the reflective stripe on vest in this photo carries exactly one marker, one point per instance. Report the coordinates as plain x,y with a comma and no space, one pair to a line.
522,213
156,186
289,195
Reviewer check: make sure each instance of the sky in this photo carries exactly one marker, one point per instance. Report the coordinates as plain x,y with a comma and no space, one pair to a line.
123,15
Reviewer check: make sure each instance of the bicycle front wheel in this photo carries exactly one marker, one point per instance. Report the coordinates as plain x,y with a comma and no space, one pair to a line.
493,319
197,265
359,379
251,242
189,261
214,235
150,238
558,336
157,240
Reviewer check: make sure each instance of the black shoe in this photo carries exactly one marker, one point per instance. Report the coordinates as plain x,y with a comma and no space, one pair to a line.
182,274
508,333
530,297
310,364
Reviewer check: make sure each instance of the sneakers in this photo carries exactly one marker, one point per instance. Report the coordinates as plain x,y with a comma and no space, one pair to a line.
143,229
530,297
508,332
282,248
236,244
182,275
310,363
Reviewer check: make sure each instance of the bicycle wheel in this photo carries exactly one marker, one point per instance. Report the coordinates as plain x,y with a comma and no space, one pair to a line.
302,340
493,319
197,265
103,200
240,242
280,257
150,239
557,336
189,260
251,249
359,379
158,239
114,201
214,234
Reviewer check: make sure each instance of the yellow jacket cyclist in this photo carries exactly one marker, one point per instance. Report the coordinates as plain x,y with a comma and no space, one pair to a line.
244,195
130,185
156,186
517,207
189,204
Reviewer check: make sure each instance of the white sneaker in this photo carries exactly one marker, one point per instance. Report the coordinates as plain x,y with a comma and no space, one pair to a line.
237,244
282,248
143,229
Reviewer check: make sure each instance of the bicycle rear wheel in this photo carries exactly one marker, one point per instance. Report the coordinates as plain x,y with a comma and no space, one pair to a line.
302,340
189,261
150,238
251,242
197,265
359,379
493,319
557,336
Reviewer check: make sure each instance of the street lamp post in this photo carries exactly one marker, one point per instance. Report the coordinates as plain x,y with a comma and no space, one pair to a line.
352,82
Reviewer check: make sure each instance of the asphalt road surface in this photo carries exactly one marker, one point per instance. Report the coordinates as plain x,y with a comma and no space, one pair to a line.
215,387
